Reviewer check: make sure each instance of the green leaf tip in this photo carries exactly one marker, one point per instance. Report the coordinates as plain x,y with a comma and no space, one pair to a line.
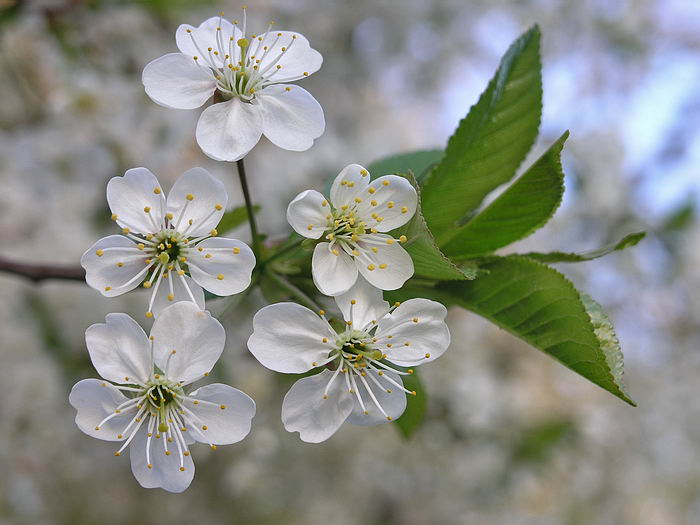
491,142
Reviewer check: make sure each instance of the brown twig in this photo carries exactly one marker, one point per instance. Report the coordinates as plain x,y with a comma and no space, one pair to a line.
41,272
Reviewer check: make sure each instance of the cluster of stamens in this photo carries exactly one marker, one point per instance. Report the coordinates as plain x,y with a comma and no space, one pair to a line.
359,355
162,405
236,64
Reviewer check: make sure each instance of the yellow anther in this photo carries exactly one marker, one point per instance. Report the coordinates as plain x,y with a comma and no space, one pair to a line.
306,73
371,267
125,231
213,447
373,202
397,304
389,345
99,253
218,207
189,197
321,312
375,249
195,57
325,340
335,252
344,207
404,209
310,227
314,363
287,88
108,288
371,190
204,427
149,236
390,241
186,452
157,190
170,297
188,30
351,184
383,266
117,453
114,217
97,428
220,277
388,418
386,182
358,200
214,233
325,396
119,436
349,323
364,172
236,250
208,256
324,203
390,204
407,343
403,238
200,249
427,356
181,272
149,315
147,209
182,469
169,216
353,301
356,253
147,284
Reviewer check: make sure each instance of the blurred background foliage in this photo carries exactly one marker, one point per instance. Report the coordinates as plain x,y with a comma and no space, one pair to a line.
511,436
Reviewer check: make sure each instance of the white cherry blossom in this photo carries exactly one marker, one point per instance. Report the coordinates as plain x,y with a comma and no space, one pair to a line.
354,222
142,401
169,245
359,383
248,76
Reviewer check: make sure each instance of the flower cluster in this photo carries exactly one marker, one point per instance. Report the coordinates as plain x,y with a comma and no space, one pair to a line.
145,400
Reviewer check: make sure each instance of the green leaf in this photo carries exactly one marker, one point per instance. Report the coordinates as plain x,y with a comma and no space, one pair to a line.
418,162
607,338
428,261
540,306
234,218
563,257
491,141
412,418
523,208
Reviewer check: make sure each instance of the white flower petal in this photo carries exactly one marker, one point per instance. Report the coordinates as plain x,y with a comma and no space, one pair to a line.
298,61
223,266
178,81
196,336
362,304
394,200
206,208
421,323
288,338
166,296
291,117
350,183
94,402
229,130
120,268
389,267
333,274
205,36
393,403
130,195
224,426
119,349
307,214
165,470
305,410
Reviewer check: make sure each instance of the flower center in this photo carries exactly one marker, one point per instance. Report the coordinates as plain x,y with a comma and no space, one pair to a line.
245,65
170,243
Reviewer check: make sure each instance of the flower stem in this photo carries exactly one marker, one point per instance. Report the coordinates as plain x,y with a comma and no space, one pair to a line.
294,292
249,209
